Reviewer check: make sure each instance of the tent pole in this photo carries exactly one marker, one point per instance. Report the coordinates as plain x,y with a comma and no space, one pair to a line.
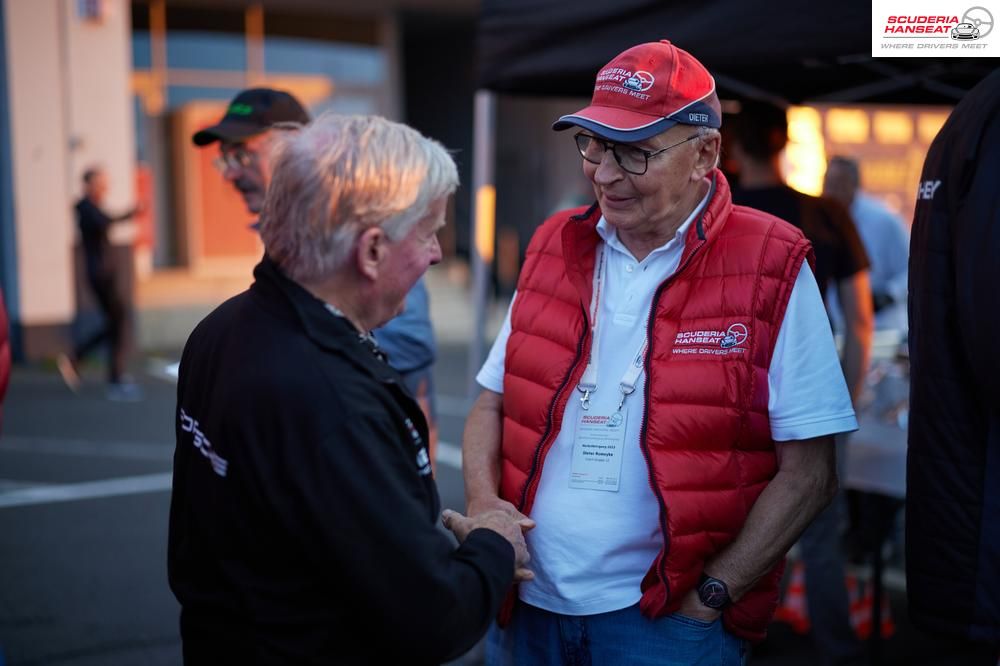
483,227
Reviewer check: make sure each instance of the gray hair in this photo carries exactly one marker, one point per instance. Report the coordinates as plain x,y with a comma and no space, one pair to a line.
341,175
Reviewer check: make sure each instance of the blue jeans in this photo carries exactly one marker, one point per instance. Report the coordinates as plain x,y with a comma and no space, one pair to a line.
536,636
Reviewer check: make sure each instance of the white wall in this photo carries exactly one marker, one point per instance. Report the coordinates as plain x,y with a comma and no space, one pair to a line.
102,122
43,224
68,86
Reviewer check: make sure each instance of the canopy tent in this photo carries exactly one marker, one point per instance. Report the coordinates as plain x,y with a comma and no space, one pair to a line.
782,49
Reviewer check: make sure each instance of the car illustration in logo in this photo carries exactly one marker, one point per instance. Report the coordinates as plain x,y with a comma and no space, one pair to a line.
965,31
639,81
735,335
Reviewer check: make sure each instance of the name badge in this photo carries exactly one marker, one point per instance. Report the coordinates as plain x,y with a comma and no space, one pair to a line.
597,452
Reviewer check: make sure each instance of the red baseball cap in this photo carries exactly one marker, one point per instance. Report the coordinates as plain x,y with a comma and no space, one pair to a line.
647,90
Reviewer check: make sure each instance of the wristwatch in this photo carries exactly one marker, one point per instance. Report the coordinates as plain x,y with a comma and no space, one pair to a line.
713,592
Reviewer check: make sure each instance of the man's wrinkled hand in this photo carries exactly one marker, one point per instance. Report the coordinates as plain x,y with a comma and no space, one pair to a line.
501,522
493,503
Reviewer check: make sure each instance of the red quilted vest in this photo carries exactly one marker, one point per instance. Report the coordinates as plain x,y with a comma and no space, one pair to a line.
705,427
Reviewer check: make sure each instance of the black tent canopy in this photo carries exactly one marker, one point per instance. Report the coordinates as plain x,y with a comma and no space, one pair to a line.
784,50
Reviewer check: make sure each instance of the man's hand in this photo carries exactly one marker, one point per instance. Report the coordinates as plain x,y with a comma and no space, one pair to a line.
485,504
692,607
501,522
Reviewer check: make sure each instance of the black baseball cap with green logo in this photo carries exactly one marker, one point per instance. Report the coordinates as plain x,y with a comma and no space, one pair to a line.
251,112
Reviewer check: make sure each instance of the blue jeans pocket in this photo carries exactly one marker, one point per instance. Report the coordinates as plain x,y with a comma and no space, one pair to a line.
693,621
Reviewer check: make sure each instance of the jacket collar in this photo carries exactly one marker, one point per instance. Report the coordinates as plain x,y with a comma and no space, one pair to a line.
324,328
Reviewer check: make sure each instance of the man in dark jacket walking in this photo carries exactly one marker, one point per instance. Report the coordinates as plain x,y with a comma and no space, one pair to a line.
953,465
303,516
103,279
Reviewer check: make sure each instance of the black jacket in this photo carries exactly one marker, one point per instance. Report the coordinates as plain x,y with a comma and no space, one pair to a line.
302,522
94,225
953,466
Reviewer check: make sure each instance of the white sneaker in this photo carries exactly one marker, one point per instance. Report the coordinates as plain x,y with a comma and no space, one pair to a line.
68,372
124,392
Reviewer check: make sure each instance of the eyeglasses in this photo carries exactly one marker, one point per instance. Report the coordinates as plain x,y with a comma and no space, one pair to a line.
238,157
631,159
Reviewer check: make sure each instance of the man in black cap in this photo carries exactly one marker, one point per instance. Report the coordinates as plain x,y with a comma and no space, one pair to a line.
244,134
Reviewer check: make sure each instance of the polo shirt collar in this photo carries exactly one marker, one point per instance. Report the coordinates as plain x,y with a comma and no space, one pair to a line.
610,235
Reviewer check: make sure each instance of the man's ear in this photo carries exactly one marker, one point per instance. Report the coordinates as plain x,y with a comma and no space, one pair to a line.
707,157
370,252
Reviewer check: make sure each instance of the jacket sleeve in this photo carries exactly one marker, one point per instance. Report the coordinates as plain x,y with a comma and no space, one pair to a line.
976,224
360,508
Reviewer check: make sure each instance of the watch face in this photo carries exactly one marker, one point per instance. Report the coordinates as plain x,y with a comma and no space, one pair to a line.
714,594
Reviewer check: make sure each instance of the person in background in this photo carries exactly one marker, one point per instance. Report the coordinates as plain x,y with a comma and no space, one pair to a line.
303,514
661,398
104,280
887,244
953,459
759,136
886,241
245,134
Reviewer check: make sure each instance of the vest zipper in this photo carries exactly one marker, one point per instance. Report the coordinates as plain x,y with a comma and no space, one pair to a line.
643,444
536,460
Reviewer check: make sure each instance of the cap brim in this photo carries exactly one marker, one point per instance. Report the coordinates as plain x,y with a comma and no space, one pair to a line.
615,124
226,130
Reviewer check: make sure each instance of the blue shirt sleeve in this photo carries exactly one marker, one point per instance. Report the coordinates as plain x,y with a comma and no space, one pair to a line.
408,339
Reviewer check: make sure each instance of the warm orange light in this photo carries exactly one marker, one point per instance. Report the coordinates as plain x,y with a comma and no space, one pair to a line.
805,156
894,127
928,125
486,201
847,125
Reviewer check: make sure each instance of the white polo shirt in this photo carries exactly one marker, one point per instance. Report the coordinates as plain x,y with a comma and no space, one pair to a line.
591,548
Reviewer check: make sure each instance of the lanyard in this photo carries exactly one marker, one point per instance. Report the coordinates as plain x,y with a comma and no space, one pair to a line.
588,383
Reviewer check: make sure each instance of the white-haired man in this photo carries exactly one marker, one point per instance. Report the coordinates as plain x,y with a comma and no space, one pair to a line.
662,396
246,134
302,526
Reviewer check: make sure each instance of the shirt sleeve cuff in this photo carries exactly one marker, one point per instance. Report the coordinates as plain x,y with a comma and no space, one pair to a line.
784,432
490,381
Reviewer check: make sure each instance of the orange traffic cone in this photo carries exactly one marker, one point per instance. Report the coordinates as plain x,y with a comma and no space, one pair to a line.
861,610
792,610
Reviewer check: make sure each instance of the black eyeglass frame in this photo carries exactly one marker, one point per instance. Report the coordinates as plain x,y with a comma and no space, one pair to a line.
612,146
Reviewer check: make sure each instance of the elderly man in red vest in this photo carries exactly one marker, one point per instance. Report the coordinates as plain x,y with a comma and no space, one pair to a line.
661,401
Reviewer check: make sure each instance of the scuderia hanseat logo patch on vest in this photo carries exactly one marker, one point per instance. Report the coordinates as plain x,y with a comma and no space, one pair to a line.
711,342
